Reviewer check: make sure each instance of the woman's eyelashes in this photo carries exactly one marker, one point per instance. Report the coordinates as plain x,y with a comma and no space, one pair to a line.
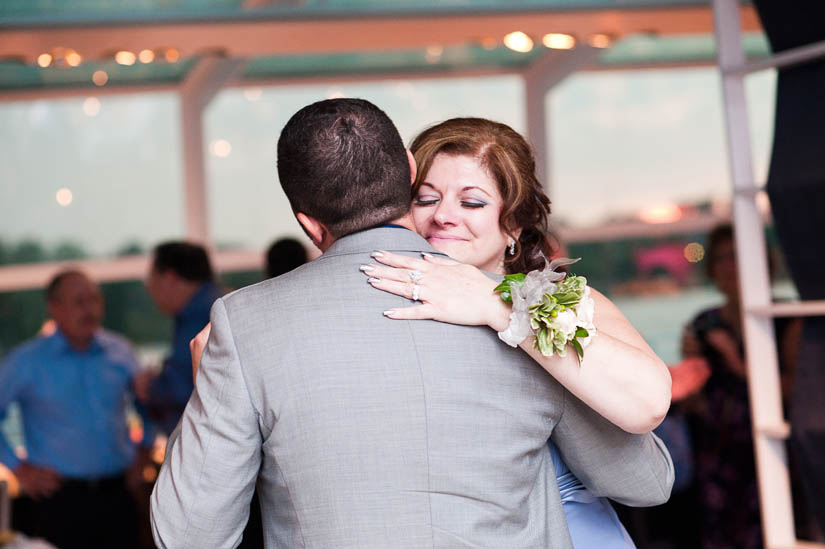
473,204
431,201
425,201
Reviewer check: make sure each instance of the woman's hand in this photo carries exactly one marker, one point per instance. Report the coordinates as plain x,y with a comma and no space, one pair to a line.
196,346
689,376
448,290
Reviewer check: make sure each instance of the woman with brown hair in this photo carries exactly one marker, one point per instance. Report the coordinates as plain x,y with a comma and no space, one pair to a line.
476,198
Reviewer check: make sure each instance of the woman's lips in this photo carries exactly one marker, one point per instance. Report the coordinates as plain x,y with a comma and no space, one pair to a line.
446,237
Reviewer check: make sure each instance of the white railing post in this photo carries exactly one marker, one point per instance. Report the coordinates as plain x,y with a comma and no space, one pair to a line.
769,427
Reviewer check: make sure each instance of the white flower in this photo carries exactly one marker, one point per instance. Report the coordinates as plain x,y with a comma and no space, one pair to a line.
565,324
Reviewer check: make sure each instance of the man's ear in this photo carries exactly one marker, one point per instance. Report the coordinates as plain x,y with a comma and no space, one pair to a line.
413,166
316,231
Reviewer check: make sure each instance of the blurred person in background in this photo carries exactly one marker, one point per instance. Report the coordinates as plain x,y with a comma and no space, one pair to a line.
715,391
285,255
74,388
181,283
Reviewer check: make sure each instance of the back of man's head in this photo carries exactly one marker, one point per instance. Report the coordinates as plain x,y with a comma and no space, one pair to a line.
342,162
188,261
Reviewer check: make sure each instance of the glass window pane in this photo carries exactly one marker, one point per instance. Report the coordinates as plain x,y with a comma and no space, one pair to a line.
89,177
623,141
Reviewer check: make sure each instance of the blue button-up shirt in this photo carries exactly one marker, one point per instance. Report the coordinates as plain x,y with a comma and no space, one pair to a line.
73,404
171,390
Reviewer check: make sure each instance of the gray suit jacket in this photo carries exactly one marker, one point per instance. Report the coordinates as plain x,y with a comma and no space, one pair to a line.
361,431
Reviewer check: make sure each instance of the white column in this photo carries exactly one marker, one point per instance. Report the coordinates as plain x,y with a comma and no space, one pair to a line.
198,89
544,73
760,345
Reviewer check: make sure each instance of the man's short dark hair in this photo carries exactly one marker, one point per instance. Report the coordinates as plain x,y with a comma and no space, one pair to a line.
342,162
283,256
53,287
188,261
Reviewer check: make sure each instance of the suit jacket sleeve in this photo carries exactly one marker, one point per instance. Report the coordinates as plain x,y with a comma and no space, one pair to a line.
634,470
202,495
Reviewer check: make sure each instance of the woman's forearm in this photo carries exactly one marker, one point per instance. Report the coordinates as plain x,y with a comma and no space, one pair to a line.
620,377
622,383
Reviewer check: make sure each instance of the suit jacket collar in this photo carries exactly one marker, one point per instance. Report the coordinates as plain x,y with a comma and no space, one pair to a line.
394,239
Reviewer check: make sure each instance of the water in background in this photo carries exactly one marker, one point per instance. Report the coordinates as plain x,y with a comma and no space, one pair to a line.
660,318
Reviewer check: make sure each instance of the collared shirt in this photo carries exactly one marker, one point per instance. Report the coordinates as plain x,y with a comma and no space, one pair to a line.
73,404
170,391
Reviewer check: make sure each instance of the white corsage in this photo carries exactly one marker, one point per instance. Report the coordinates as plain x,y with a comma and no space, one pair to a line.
555,308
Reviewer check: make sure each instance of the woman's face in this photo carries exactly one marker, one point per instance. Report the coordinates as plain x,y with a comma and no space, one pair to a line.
723,270
457,210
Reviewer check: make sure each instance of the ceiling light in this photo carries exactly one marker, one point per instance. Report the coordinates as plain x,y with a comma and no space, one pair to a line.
125,57
100,78
600,40
73,59
558,41
518,41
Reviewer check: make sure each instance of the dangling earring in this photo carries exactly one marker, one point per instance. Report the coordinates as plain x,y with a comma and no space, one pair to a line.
512,246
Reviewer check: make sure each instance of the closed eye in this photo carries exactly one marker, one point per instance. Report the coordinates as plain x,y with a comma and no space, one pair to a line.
426,201
473,205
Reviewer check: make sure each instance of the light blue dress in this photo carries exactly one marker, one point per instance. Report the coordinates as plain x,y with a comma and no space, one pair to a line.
591,520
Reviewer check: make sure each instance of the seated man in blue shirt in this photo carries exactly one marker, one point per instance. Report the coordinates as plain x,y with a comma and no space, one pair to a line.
73,389
181,285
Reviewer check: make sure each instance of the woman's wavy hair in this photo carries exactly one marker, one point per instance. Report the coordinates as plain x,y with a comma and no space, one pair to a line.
509,159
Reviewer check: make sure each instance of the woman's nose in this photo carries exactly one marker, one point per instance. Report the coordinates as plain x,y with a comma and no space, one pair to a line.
444,214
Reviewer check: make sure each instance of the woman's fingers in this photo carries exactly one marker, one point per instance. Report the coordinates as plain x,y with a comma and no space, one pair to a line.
404,289
388,273
398,260
437,260
416,312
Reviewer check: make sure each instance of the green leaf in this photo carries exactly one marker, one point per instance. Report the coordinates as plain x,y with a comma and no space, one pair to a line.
545,343
504,288
581,332
518,278
578,347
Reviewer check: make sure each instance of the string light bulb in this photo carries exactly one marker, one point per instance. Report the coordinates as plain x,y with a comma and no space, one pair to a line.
518,41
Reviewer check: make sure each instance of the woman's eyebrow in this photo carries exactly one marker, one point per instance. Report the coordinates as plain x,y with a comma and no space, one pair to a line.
471,187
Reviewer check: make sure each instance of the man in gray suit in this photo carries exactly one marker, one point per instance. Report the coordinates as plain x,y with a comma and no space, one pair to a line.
361,431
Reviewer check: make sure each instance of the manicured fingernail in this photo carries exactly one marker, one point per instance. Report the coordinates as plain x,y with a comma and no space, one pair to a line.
425,254
373,280
365,268
376,254
389,313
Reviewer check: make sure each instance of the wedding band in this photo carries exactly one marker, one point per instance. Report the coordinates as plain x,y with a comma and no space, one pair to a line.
416,290
415,276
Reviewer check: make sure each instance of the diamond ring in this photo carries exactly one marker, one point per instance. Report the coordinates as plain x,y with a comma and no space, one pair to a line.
415,276
416,290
